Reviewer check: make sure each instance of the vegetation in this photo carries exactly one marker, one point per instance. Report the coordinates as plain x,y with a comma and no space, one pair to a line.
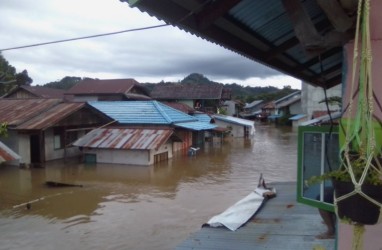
9,78
3,129
245,94
65,83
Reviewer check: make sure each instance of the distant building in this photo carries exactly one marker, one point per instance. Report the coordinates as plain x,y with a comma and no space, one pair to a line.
237,127
205,98
251,110
107,90
27,92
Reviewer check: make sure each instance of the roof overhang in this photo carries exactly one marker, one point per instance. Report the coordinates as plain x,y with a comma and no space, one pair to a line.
303,39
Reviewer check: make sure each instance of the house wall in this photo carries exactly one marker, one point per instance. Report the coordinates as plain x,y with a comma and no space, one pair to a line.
295,108
230,107
186,143
131,157
236,131
311,97
24,148
53,154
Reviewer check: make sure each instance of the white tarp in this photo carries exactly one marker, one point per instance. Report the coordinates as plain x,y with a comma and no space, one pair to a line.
239,213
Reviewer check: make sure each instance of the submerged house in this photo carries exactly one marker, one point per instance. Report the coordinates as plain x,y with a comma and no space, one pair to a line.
202,97
148,130
251,110
41,130
287,106
237,127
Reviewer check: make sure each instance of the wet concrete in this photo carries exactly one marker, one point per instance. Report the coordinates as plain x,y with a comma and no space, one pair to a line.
136,207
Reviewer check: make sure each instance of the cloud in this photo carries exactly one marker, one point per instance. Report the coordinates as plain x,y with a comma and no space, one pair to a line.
156,54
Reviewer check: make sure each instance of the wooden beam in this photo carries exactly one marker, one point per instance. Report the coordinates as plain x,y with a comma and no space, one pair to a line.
302,24
213,11
274,52
336,14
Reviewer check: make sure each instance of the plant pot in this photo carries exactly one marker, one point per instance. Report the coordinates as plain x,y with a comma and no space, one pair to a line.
356,207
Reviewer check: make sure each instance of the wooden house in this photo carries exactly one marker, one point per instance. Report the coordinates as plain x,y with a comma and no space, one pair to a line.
41,130
202,97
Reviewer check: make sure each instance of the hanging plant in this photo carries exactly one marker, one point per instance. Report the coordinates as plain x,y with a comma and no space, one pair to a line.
358,182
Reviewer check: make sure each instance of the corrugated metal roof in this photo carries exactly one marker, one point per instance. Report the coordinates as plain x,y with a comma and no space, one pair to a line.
38,91
51,116
288,102
253,104
96,86
234,120
180,106
203,117
7,154
198,126
186,92
16,111
297,117
142,112
263,31
125,138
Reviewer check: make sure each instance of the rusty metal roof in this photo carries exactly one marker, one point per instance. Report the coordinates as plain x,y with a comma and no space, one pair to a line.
38,92
180,106
48,118
6,154
125,138
110,86
16,111
187,92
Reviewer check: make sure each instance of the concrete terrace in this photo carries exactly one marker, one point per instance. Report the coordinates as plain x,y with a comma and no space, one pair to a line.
281,223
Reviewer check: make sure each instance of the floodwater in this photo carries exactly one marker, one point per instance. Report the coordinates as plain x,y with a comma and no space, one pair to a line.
131,207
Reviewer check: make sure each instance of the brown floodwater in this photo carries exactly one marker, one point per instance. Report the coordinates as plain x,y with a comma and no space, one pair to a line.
136,207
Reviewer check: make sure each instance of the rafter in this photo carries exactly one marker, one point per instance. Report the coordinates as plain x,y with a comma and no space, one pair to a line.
213,11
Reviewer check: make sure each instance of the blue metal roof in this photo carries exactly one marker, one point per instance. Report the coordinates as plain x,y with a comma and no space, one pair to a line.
141,112
203,117
297,117
197,125
274,116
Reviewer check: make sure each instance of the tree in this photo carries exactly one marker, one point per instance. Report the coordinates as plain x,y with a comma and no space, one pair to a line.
9,78
65,83
23,78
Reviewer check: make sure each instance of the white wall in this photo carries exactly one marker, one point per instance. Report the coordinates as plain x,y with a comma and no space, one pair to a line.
311,96
54,154
132,157
236,131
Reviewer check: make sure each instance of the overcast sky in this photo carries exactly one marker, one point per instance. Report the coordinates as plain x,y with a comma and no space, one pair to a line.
153,55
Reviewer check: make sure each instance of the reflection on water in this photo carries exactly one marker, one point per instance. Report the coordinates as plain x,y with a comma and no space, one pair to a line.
137,207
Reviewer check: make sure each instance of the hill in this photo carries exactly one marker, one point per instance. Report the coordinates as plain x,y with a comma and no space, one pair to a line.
245,94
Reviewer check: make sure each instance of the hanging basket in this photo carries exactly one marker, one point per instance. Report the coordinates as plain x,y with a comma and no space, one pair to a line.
356,207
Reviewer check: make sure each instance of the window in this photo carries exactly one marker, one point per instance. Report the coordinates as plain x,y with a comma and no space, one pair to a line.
318,153
60,138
